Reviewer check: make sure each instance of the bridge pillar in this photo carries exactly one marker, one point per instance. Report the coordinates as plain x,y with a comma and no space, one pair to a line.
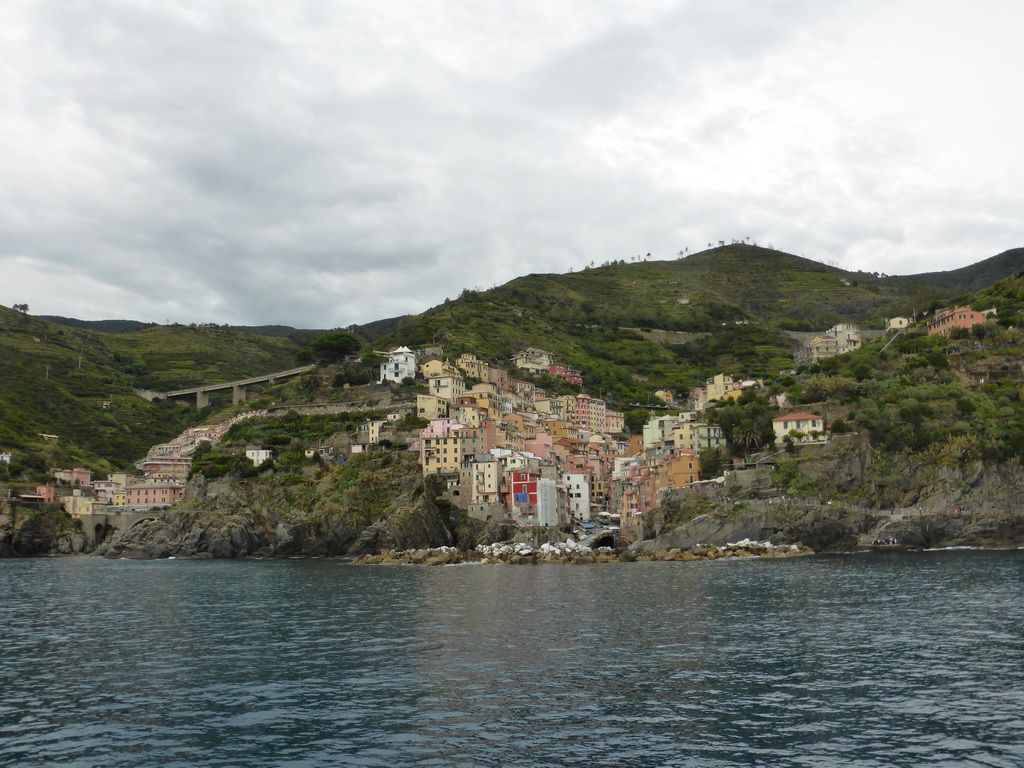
202,398
237,394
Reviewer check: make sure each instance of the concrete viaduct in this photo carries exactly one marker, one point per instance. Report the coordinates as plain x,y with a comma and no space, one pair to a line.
202,393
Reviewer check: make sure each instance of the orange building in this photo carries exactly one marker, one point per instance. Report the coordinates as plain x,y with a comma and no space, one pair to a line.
961,317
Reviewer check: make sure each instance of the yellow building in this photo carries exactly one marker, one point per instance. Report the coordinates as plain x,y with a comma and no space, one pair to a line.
441,446
487,397
470,415
559,428
721,386
679,470
437,368
473,367
430,407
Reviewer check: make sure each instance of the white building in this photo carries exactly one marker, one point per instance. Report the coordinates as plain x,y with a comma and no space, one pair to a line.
577,486
547,502
400,364
258,455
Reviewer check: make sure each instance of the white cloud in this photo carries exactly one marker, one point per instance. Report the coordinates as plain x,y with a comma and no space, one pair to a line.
320,163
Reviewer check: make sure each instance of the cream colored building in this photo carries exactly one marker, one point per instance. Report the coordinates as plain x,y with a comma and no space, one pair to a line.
481,480
533,360
695,436
837,340
448,387
614,422
808,427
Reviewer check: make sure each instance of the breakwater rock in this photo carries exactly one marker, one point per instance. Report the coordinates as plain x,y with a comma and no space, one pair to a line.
745,548
571,553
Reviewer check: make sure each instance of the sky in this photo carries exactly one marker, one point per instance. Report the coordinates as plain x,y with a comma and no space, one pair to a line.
319,163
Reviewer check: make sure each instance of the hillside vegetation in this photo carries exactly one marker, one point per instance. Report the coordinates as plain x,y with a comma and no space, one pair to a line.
78,385
730,306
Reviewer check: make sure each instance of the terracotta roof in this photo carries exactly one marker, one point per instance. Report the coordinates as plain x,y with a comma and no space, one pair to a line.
796,417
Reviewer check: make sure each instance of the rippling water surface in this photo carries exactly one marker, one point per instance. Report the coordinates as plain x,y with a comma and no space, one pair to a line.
871,660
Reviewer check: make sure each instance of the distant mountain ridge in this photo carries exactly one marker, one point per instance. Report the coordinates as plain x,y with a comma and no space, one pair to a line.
975,276
103,326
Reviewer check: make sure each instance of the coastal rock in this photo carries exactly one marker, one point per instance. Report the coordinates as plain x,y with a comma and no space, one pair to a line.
383,504
39,530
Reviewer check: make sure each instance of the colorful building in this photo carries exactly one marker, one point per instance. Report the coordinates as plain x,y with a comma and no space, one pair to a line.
961,317
153,494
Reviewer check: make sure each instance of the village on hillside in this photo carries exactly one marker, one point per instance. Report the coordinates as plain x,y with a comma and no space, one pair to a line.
505,449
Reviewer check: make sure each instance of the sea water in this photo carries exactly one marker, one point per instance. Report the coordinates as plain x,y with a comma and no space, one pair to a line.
901,659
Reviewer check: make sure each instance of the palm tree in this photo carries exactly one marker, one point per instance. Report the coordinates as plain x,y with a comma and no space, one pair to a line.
748,436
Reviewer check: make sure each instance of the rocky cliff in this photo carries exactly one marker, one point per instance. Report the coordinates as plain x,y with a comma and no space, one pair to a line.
38,530
846,494
371,503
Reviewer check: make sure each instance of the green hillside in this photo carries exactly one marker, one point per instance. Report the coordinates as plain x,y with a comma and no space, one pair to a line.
729,308
78,385
971,278
631,328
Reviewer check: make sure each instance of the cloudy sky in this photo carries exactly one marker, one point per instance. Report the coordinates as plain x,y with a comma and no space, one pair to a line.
323,162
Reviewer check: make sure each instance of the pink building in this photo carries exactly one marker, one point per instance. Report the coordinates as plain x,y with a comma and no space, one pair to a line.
441,428
46,493
588,413
636,493
565,372
540,445
153,495
76,476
